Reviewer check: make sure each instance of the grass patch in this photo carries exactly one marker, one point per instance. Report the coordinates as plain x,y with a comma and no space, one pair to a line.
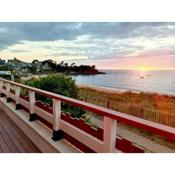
150,106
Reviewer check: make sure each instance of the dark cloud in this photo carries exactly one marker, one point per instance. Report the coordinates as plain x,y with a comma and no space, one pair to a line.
127,29
17,32
33,31
103,39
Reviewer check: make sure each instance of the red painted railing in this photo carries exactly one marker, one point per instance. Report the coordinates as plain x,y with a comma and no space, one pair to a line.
121,143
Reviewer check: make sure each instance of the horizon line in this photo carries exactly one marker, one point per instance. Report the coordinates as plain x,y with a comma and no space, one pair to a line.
156,69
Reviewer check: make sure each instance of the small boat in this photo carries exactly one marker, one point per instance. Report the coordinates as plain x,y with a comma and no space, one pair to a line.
142,77
148,75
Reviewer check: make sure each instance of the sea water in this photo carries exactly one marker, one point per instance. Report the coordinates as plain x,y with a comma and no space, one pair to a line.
158,81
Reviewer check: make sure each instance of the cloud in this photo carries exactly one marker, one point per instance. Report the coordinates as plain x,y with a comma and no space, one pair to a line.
93,41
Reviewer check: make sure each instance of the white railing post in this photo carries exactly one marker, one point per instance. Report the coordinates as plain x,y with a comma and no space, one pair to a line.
109,135
17,96
32,106
57,133
8,92
1,87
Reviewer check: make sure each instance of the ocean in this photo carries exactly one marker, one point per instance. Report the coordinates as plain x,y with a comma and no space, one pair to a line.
130,80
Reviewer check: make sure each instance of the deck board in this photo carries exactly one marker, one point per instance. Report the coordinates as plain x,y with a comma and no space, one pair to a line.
7,139
11,133
12,139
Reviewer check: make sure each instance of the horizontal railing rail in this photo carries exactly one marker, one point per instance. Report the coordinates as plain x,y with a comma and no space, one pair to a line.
110,117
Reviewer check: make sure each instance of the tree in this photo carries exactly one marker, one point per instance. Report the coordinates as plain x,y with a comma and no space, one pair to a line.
62,62
4,68
59,84
66,64
35,61
93,66
32,69
72,64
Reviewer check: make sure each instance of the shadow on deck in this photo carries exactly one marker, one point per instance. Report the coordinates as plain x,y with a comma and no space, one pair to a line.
12,139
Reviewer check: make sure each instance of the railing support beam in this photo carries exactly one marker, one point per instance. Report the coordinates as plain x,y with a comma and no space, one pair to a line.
1,87
8,92
17,96
33,116
57,132
109,135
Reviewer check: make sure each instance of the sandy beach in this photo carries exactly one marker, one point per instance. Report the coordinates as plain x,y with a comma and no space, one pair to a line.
103,89
120,91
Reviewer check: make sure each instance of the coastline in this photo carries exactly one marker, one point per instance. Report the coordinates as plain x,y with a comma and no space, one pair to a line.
109,89
102,89
120,90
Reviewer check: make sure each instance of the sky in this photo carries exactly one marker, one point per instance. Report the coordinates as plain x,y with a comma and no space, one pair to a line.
115,45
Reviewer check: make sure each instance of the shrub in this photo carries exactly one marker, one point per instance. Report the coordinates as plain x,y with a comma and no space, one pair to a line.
4,68
59,84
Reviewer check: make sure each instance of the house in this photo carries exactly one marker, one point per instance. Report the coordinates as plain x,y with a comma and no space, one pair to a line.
2,62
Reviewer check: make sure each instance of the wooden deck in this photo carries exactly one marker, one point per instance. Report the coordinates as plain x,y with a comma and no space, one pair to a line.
12,139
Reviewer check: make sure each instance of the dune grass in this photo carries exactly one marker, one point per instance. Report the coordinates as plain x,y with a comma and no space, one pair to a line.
154,107
150,106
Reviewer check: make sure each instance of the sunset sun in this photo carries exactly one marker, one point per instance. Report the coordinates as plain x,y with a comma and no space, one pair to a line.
144,68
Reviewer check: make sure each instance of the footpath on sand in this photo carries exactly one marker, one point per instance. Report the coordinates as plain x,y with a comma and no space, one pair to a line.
133,136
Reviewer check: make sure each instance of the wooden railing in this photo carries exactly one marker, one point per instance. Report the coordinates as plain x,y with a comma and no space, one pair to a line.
75,130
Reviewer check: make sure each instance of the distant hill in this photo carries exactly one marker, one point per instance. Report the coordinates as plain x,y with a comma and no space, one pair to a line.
72,68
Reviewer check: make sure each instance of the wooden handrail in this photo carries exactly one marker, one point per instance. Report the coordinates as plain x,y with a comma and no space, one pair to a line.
159,129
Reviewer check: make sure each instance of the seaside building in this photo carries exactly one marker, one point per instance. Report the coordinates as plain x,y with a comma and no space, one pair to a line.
21,68
2,62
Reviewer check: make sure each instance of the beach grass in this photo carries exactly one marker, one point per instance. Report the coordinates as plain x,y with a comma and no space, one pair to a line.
150,106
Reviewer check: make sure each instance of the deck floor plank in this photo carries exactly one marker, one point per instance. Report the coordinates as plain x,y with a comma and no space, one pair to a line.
18,140
12,139
9,129
1,151
24,141
4,145
7,139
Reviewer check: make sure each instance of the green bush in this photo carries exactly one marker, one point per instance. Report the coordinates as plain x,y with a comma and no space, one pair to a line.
59,84
8,77
4,68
